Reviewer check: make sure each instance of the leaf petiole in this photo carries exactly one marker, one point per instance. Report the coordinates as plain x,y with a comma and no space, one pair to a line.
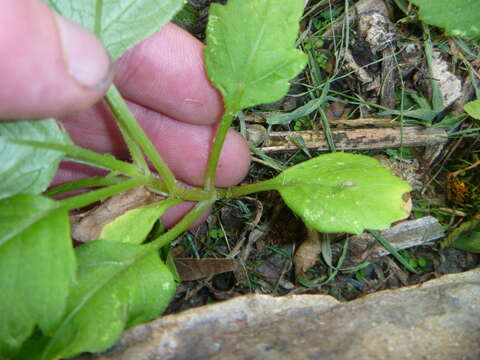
243,190
181,226
79,201
220,136
128,122
105,161
83,183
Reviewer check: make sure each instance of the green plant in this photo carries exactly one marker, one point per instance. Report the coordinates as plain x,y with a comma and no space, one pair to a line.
58,300
458,17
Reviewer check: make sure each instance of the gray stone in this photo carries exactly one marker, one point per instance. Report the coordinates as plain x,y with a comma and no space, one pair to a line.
439,319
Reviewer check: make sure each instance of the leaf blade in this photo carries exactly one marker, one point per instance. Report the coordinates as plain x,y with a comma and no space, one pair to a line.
120,24
28,170
457,17
342,192
37,266
254,66
473,109
133,226
119,285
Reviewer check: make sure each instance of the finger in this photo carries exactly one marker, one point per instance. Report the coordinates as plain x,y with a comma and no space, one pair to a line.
166,73
185,147
49,66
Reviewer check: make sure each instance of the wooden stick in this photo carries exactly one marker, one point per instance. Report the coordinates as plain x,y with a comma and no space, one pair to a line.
357,139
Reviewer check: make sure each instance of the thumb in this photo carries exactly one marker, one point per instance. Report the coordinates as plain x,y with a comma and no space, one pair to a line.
49,65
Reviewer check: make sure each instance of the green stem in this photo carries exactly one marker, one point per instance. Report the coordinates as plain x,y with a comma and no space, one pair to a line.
126,120
105,161
196,194
79,201
97,26
239,191
220,136
391,249
188,194
135,152
326,130
94,181
182,225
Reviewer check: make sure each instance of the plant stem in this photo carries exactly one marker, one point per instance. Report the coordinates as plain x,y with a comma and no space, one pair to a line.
182,225
196,194
126,120
188,194
94,181
239,191
135,152
97,26
79,201
105,161
220,135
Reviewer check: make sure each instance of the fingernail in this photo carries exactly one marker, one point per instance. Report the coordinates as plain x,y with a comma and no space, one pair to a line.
87,60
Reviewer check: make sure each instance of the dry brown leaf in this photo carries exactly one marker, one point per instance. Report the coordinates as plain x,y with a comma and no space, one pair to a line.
457,190
307,254
88,225
194,269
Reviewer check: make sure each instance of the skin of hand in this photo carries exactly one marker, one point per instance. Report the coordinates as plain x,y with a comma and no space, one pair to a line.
52,67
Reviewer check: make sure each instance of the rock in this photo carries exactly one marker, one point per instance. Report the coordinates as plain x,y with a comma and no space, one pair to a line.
439,319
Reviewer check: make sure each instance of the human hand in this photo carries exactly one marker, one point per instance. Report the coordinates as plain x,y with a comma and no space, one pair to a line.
52,67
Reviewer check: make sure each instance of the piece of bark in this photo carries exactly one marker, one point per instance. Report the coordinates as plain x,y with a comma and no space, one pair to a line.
194,269
89,224
389,80
370,81
365,247
364,122
360,8
261,118
357,139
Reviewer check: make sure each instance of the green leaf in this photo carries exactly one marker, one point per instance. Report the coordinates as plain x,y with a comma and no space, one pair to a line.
250,55
342,192
133,226
420,114
457,17
83,156
32,347
304,110
37,266
119,285
466,237
120,24
28,170
473,109
392,250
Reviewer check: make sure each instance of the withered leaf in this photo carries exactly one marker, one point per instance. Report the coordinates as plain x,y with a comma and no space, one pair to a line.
307,254
194,269
88,225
